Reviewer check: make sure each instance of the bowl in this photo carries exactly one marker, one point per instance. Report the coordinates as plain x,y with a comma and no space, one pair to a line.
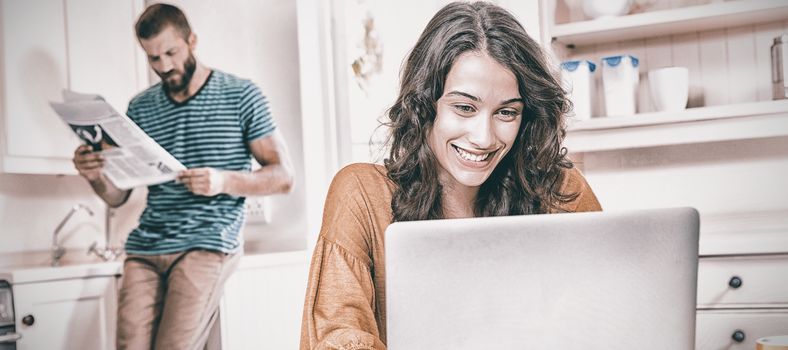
606,8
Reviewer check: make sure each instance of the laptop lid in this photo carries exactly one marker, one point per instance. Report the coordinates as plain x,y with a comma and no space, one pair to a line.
603,280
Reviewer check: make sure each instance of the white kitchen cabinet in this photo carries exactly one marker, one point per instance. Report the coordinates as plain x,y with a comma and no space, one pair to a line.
263,302
67,314
49,45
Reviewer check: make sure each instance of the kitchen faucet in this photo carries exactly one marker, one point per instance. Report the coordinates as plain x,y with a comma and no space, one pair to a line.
107,253
57,250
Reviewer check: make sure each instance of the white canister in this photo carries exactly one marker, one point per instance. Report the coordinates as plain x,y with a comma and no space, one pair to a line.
620,81
579,82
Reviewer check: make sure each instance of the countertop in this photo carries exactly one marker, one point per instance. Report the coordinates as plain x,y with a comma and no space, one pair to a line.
30,267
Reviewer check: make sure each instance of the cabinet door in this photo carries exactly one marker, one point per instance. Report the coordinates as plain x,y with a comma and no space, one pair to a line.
48,45
262,306
35,70
67,314
103,53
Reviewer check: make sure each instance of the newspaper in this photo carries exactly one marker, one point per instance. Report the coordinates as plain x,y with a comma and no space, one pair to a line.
132,158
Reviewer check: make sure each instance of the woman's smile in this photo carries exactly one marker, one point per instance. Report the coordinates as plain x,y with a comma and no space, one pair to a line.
474,159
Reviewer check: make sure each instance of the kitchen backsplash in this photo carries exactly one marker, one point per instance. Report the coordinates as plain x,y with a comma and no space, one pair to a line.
31,206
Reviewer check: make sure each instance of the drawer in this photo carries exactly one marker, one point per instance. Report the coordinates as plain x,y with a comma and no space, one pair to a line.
762,281
715,328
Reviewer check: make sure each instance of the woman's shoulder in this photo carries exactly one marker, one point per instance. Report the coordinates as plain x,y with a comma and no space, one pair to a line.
573,180
361,182
575,183
363,169
361,175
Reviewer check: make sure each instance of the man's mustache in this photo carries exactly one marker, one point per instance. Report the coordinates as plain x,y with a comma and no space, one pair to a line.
168,74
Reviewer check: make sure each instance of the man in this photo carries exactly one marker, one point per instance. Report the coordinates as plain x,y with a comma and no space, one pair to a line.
187,242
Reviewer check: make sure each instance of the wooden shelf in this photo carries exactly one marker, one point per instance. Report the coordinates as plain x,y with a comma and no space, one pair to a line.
695,125
664,22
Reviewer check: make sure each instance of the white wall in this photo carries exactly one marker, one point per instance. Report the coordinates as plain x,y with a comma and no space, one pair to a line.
251,39
737,186
32,205
717,178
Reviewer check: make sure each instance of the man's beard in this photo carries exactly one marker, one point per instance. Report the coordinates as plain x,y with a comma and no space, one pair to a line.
188,72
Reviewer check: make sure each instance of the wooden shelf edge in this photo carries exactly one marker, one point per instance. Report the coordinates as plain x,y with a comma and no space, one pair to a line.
712,129
706,309
678,20
688,115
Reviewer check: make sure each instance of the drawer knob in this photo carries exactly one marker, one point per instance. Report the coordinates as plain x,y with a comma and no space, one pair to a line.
28,320
735,282
738,336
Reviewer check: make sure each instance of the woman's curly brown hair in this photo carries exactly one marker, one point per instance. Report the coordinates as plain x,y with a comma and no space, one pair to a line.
528,178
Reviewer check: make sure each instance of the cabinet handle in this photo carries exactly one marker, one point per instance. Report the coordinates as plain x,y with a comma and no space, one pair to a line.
735,282
738,335
28,320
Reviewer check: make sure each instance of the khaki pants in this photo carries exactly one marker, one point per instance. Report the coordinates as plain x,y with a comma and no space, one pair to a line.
171,301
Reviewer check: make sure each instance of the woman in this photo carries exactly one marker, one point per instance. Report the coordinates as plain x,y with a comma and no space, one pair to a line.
476,131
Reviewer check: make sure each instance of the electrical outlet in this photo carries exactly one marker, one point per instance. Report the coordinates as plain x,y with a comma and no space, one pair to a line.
258,210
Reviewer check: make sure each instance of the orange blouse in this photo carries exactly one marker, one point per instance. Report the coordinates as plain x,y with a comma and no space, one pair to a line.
345,306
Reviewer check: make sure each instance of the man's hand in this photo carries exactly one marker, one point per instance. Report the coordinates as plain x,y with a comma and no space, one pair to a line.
89,164
203,181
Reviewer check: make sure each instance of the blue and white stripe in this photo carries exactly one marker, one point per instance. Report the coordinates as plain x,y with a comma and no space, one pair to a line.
211,129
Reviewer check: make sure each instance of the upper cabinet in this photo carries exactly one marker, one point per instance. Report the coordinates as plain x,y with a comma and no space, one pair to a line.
724,44
51,45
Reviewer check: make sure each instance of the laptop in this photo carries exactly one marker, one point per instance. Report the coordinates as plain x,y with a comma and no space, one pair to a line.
603,280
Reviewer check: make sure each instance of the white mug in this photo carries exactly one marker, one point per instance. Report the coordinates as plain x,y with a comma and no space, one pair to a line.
669,88
779,342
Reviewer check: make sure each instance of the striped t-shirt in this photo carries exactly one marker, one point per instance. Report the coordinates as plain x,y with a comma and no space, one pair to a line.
211,129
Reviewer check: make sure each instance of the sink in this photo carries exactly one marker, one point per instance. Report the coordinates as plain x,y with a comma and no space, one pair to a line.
35,266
